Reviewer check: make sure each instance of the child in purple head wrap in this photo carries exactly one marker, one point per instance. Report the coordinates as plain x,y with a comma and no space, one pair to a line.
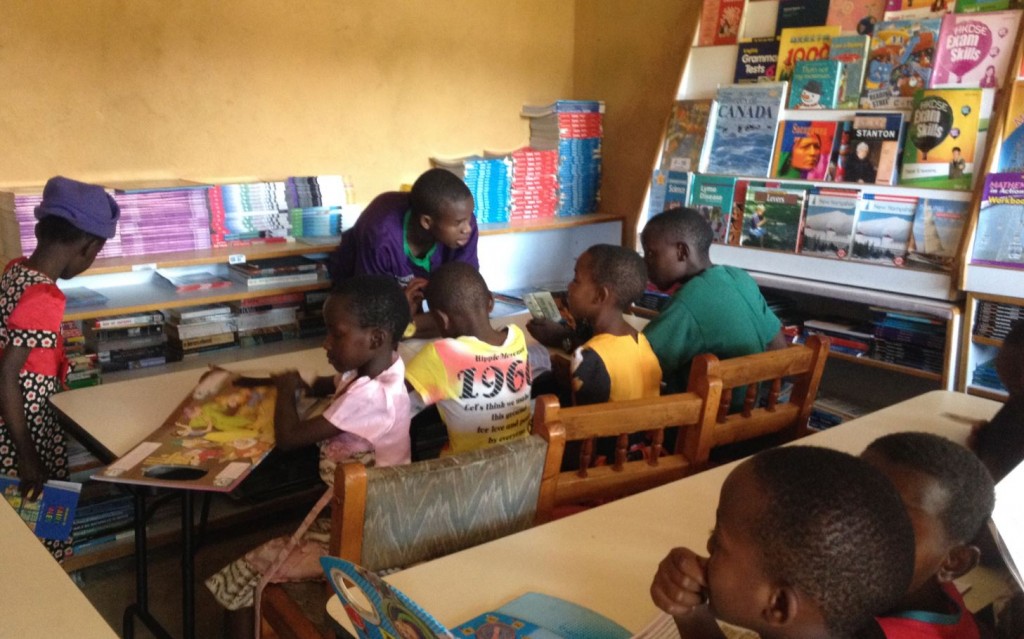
75,220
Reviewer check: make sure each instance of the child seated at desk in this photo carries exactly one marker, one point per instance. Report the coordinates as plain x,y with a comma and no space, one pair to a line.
367,419
475,367
808,542
75,221
949,496
1000,441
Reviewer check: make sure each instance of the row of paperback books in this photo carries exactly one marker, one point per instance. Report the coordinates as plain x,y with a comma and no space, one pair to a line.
895,337
840,223
722,21
827,70
179,215
994,319
937,146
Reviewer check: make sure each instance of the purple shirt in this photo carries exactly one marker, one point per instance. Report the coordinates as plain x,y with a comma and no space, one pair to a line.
375,244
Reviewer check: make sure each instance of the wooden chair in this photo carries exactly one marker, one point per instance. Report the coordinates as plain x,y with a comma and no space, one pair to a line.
387,518
690,411
801,364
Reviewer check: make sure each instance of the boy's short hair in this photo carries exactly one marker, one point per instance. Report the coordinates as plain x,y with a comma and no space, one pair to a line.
835,529
457,288
621,269
377,301
434,187
958,471
682,224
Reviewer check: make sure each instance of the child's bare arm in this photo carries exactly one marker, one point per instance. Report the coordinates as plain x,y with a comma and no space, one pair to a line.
679,588
322,386
290,431
31,470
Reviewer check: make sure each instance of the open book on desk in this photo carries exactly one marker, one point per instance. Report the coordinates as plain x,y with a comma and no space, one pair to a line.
379,611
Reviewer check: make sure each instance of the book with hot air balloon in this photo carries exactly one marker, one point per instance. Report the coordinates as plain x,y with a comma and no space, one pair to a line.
946,138
975,49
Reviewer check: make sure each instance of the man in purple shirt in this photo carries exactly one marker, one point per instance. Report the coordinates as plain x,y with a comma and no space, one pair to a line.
409,235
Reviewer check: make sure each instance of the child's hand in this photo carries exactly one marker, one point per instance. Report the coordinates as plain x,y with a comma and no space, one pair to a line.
414,292
680,584
547,332
31,476
288,382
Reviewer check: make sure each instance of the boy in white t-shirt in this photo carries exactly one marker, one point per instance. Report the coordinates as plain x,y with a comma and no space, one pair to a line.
478,376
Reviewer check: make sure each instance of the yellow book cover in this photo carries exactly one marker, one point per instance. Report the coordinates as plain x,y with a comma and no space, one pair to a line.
803,43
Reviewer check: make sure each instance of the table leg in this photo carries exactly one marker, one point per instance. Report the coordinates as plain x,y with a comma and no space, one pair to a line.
140,609
188,603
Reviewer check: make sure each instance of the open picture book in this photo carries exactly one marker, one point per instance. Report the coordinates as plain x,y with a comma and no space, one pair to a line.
380,611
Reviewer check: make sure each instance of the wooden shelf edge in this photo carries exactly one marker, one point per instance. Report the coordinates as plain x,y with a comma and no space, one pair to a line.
987,341
123,264
987,393
898,368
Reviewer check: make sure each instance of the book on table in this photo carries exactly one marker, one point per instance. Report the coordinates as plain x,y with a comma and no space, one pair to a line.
380,611
52,515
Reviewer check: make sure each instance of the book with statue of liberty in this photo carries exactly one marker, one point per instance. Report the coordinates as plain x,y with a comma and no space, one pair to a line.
935,238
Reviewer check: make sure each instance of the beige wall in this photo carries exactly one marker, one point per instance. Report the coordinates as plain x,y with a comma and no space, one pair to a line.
127,89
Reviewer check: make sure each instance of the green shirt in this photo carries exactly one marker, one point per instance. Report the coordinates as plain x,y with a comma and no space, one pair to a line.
720,311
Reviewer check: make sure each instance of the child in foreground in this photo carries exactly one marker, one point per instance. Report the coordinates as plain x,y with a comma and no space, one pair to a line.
949,496
808,542
1000,442
367,420
478,376
75,221
617,363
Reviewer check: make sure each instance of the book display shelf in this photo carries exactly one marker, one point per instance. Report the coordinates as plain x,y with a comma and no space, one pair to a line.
873,306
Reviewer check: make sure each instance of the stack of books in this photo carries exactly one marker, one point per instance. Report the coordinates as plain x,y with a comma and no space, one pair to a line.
243,214
985,375
574,128
293,270
488,181
127,342
83,367
316,205
994,319
199,329
274,318
159,217
845,337
102,518
534,184
827,412
909,339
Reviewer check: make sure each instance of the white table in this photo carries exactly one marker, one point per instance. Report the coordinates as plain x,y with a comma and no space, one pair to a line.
39,598
605,558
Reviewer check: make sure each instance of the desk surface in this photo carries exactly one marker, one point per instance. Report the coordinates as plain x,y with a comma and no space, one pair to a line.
605,558
39,599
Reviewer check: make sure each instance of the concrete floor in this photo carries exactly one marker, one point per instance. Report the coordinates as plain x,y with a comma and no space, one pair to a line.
111,586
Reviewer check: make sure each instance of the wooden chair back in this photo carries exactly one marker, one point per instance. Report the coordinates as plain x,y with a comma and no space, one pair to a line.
558,425
384,518
762,412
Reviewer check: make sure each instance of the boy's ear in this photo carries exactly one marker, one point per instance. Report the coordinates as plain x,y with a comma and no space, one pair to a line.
490,304
426,221
781,607
377,337
682,251
602,294
959,561
444,321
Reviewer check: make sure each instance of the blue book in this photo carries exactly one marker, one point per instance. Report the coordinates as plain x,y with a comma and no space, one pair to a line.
52,515
743,123
533,615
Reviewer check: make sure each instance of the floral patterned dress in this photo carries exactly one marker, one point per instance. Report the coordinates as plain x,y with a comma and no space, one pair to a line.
31,311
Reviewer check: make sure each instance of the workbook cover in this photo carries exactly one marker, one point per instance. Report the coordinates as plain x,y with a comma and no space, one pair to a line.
805,149
946,137
772,218
881,231
712,196
803,43
828,222
899,62
999,238
938,225
852,51
53,514
684,135
380,611
756,60
855,16
741,132
816,84
975,50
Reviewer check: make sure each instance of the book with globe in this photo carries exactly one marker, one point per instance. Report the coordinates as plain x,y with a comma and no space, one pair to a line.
741,129
946,138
